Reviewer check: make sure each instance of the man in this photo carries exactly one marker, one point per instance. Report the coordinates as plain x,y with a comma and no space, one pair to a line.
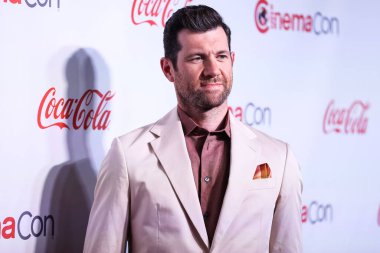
197,180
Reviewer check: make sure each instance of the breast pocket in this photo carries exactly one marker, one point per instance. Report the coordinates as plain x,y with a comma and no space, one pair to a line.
261,184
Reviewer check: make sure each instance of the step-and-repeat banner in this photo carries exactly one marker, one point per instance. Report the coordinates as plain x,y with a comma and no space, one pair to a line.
75,74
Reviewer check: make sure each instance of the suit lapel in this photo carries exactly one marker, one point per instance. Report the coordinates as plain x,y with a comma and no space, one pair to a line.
170,148
245,152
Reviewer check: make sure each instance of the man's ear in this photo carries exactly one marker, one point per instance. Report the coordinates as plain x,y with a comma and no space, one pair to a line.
167,68
232,58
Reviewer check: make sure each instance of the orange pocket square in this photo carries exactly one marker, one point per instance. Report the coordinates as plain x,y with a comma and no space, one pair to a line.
262,171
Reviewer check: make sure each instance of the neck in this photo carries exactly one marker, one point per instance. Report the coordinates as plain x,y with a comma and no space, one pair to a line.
209,119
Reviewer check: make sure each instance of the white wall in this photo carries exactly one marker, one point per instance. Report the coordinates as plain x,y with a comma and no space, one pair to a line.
284,81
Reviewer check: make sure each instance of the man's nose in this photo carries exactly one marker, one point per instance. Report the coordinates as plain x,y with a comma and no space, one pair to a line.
211,67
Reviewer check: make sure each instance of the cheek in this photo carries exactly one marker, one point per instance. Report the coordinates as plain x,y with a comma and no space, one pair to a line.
193,74
191,71
188,78
227,73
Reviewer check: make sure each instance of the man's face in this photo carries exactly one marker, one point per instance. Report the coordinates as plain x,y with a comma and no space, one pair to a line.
203,78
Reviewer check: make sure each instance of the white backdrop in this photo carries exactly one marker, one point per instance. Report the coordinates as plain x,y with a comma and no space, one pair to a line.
307,72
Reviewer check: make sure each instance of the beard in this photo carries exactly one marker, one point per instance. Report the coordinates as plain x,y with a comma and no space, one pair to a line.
200,99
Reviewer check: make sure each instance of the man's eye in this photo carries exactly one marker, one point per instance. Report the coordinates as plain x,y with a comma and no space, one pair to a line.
222,57
196,59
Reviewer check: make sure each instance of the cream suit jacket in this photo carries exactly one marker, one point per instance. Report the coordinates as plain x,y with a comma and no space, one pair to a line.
146,194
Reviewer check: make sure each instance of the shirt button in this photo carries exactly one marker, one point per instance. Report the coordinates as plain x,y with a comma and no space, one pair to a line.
207,179
205,215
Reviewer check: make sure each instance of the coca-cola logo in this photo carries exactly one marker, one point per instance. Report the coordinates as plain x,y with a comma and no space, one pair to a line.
75,113
350,120
155,12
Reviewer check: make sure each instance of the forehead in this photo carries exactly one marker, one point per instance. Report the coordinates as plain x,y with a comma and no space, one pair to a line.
213,39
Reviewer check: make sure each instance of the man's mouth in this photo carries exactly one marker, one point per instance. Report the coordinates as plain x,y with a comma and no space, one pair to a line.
212,82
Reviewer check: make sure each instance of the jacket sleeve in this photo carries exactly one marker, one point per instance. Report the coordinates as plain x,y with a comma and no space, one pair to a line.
108,222
286,233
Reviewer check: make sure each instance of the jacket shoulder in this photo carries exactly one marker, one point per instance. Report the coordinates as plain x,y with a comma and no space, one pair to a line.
268,138
262,137
141,134
271,147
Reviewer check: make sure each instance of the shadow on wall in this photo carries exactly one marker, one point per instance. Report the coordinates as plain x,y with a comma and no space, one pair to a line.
68,189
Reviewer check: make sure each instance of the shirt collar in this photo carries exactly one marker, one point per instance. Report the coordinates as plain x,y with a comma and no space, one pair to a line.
190,127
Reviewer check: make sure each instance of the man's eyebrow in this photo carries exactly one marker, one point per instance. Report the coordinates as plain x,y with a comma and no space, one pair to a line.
204,54
195,53
223,52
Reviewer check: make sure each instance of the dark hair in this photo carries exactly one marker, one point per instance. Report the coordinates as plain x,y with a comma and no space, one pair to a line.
198,18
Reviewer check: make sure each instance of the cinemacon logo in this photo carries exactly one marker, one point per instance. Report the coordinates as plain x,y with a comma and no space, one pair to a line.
75,113
251,114
352,119
27,226
316,212
154,12
267,17
36,3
